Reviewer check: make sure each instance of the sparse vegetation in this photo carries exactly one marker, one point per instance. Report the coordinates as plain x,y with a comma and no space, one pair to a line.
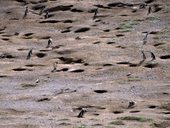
134,78
134,118
117,122
83,126
152,18
128,26
27,85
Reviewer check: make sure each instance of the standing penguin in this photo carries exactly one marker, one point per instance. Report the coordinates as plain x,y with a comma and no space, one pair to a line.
26,12
145,38
46,14
49,43
153,56
131,104
149,10
29,54
81,114
95,13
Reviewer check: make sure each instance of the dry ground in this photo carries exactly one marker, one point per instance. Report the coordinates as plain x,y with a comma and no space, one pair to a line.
97,64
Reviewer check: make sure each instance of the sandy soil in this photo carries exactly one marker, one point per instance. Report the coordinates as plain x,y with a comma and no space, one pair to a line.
95,63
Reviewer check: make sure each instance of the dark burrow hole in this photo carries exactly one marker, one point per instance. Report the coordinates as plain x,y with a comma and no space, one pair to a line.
106,30
152,106
123,15
165,93
78,70
111,42
135,111
151,65
149,1
70,60
105,65
82,30
64,69
100,91
123,63
6,55
165,57
43,99
41,55
19,69
166,113
154,32
67,21
120,35
86,64
96,114
90,106
76,10
45,37
5,39
97,42
2,76
117,112
133,65
28,34
65,31
34,65
122,47
158,44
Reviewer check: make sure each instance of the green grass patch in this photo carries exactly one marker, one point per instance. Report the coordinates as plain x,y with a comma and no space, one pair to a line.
117,122
134,78
82,126
127,26
26,85
152,18
133,118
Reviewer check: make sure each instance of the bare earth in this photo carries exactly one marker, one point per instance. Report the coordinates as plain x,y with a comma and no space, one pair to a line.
97,64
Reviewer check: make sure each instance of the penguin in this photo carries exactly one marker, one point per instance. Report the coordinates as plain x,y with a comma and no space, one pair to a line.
26,12
145,38
54,67
95,13
81,114
153,56
29,54
46,14
131,104
149,10
50,41
143,55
